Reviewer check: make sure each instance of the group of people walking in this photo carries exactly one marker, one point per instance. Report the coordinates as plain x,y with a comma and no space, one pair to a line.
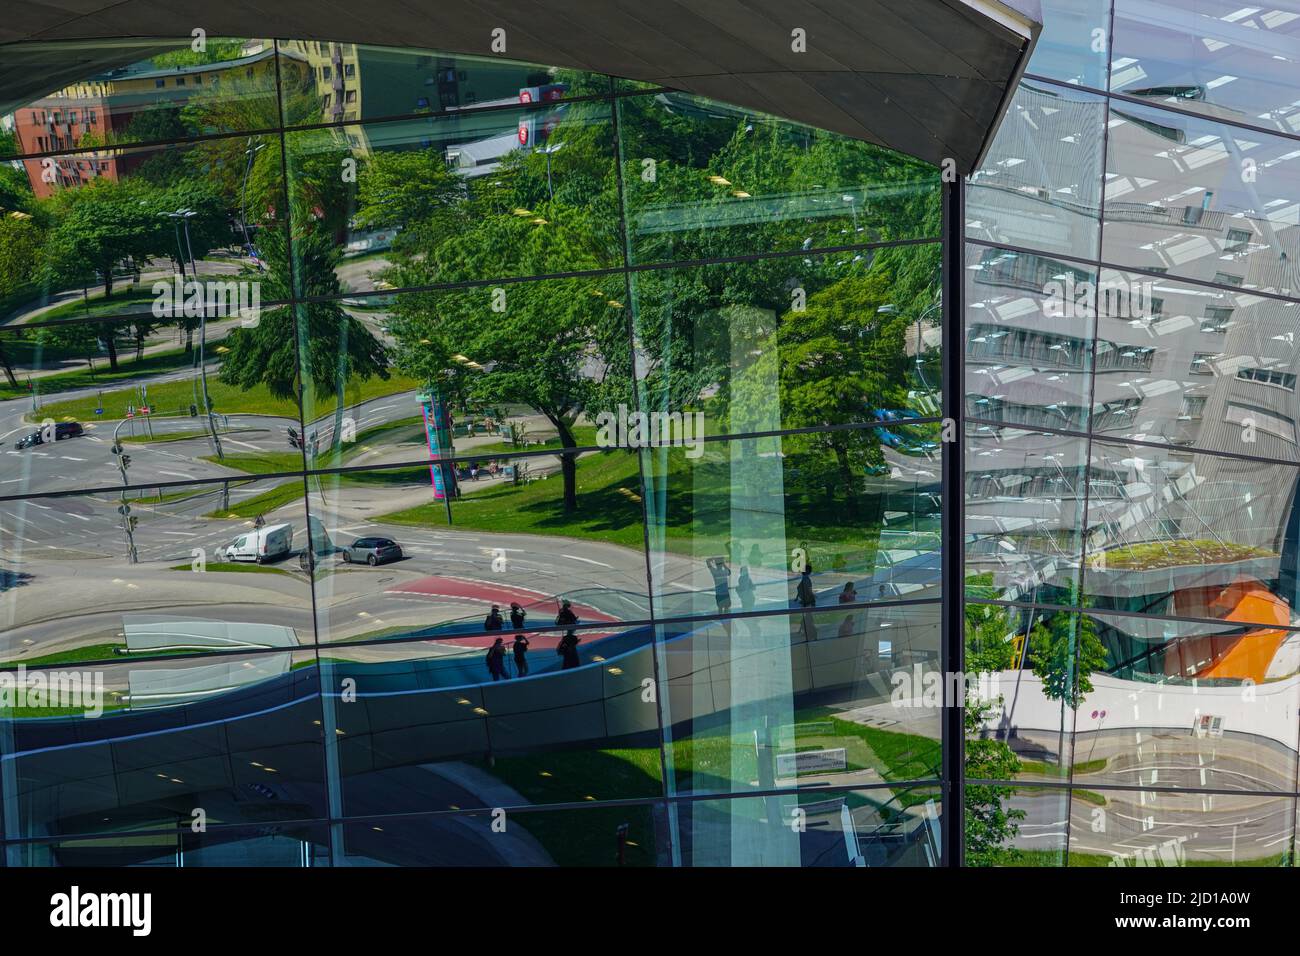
567,648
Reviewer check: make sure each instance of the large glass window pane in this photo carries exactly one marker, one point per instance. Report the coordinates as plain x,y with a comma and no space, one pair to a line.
1189,706
1215,57
128,231
164,394
82,94
457,198
1150,828
818,699
1072,45
817,342
426,725
1040,184
880,827
1025,499
771,523
326,82
1027,673
1029,330
703,180
396,560
1191,535
1189,365
237,736
1200,200
155,571
630,835
1015,825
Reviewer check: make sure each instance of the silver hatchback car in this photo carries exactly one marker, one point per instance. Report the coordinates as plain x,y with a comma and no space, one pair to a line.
372,551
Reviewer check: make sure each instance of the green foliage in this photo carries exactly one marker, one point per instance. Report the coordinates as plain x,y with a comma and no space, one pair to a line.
989,826
1064,650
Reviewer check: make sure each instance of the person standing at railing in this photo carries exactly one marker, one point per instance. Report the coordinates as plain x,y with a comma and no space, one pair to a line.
496,660
568,646
517,616
745,588
807,598
520,648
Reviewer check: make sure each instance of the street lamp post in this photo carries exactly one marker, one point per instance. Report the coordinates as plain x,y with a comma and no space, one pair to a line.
184,216
250,152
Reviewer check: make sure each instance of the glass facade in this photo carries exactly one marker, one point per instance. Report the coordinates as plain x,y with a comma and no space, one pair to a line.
1131,459
316,354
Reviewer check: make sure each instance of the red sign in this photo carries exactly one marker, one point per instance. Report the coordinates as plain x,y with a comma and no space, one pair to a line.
523,133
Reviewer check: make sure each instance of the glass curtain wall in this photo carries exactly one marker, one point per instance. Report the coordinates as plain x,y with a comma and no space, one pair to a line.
412,458
1131,463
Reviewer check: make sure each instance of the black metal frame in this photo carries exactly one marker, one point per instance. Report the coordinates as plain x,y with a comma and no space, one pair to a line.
952,535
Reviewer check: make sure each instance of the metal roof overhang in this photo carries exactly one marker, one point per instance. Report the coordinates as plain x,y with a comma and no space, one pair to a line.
926,77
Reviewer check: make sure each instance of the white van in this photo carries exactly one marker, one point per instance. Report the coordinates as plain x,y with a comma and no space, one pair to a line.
261,544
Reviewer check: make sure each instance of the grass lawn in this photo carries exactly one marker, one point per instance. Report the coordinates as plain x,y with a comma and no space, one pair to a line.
121,303
604,512
265,503
23,352
696,515
174,397
91,652
244,567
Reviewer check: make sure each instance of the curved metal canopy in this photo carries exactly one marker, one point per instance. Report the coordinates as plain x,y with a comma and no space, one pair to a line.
926,77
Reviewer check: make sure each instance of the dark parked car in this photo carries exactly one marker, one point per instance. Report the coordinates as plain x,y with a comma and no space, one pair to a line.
373,550
61,431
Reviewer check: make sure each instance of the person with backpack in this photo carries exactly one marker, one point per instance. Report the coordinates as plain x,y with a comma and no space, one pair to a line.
517,616
568,651
496,660
494,621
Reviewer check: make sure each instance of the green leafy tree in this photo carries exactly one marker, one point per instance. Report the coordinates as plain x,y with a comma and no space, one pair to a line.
989,825
1064,651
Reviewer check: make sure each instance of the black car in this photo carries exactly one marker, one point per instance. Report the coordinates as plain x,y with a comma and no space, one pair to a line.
62,430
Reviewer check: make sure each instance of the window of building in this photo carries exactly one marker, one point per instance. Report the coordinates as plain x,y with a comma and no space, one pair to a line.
1268,376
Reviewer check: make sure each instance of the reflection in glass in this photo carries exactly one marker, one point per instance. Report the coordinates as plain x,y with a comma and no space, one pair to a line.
703,180
238,735
456,198
91,94
1160,55
1025,499
872,828
278,845
426,725
1151,828
128,231
753,345
794,520
584,836
328,82
857,703
1191,535
1183,196
1206,367
1068,49
1040,184
394,559
148,572
1029,330
1015,826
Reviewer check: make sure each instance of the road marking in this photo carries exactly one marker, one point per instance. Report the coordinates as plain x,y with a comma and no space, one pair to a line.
70,458
574,557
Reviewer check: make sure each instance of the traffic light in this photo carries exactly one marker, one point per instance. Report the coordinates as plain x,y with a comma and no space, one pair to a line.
126,461
116,449
132,522
124,509
194,410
